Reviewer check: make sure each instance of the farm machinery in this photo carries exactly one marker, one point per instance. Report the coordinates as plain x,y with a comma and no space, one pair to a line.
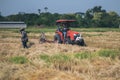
64,35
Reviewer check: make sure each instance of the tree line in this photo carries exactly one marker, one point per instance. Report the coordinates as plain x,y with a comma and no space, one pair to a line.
94,17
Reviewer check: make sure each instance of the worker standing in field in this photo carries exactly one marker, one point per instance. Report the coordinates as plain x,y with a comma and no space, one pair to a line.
24,38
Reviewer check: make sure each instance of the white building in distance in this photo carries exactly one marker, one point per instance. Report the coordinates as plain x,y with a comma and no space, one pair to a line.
9,24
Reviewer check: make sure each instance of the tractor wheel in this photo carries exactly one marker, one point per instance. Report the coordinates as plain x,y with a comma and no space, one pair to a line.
57,38
68,41
81,42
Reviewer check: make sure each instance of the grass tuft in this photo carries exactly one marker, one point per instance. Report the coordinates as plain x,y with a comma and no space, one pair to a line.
18,60
60,57
54,58
83,55
45,57
109,53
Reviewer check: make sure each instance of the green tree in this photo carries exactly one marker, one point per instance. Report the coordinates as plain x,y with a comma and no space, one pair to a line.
80,20
2,18
46,8
94,17
46,19
39,11
88,18
98,18
114,19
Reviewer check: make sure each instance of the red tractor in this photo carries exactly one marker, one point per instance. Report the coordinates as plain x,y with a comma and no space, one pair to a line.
67,36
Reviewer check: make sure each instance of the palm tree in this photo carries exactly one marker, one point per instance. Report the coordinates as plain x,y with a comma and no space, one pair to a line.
39,11
46,8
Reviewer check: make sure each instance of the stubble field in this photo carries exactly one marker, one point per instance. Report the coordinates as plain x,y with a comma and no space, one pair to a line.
99,60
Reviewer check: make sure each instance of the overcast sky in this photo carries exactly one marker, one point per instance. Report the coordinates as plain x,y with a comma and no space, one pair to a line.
8,7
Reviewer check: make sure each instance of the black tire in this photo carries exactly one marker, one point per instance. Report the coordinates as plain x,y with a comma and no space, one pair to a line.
68,41
57,38
81,42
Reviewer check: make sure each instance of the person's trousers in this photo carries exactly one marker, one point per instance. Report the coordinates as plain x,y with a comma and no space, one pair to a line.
24,43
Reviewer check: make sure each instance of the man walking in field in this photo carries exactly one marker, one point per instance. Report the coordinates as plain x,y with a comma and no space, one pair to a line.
24,37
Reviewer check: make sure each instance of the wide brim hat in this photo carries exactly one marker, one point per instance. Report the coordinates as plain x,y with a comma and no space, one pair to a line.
22,29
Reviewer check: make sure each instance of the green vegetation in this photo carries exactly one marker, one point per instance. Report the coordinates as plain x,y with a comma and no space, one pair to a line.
60,57
39,30
90,35
95,17
45,57
18,60
109,53
55,58
82,55
96,29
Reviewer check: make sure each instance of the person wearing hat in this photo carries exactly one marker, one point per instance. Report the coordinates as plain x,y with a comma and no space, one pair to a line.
24,37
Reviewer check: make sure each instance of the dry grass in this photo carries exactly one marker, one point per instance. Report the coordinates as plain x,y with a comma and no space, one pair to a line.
59,67
103,39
